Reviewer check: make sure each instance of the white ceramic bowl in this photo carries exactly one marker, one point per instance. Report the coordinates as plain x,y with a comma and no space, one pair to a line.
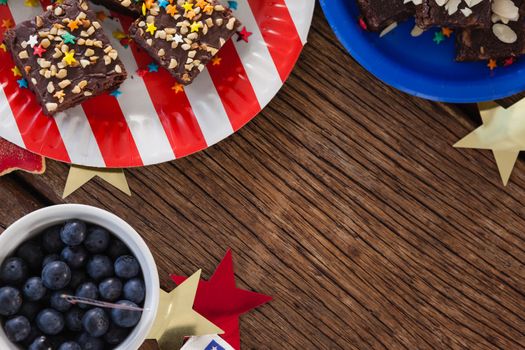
35,222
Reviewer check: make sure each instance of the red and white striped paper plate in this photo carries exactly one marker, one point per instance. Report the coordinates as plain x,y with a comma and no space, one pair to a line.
150,122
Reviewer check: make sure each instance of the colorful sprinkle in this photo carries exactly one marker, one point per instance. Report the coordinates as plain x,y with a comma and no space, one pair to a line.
171,10
69,57
244,35
39,50
31,3
22,83
163,3
509,61
153,67
187,6
3,2
178,38
72,25
3,47
232,5
447,31
116,93
7,23
33,40
177,88
438,37
68,38
216,61
151,28
492,64
195,26
16,71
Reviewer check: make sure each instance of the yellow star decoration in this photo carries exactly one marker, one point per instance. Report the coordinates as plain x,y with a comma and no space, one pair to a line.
177,88
503,132
16,71
69,57
216,61
195,26
79,176
187,6
3,47
176,318
31,3
151,28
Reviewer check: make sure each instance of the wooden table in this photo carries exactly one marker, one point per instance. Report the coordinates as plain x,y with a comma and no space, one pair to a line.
345,201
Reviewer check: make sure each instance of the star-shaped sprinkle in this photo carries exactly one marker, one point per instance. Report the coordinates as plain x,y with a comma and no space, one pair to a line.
208,9
190,14
33,40
7,23
3,47
141,72
216,61
509,61
68,38
187,6
31,3
171,10
195,26
178,38
244,34
3,2
22,83
72,25
447,31
202,4
163,3
438,37
151,28
177,88
59,94
232,5
492,64
16,71
148,4
116,93
153,67
69,57
39,50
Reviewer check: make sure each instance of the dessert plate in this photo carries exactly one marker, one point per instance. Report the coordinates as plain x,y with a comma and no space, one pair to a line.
150,119
419,66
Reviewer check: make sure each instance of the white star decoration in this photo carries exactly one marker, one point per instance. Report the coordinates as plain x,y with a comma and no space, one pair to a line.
178,38
33,40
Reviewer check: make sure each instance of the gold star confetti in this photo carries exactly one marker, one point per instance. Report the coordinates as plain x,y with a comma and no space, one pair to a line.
3,47
176,318
177,88
7,23
79,176
216,61
492,64
503,132
16,71
447,31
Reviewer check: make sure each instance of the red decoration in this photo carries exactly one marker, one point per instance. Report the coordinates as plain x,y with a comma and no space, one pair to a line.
221,302
509,61
14,158
141,72
244,34
39,50
362,23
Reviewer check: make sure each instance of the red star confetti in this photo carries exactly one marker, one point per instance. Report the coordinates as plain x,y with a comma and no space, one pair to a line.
244,34
7,23
221,302
177,88
509,61
141,72
492,64
14,158
447,31
216,61
39,50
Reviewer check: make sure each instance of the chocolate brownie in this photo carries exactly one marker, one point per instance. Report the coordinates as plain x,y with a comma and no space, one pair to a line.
454,13
65,56
127,7
378,14
500,40
184,36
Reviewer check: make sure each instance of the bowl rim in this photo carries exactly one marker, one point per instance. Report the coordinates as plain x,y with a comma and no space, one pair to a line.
36,221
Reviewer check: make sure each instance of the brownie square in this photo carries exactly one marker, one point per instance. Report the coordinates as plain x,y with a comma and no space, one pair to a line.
493,42
454,13
65,56
184,36
127,7
378,14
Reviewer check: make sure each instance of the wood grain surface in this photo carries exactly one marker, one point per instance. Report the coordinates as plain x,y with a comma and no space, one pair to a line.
344,200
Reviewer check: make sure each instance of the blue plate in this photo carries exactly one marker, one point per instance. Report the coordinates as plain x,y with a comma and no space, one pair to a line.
419,66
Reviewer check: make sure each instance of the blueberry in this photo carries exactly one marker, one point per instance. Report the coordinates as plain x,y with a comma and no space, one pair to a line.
33,334
10,301
116,335
87,290
99,267
50,258
75,256
13,270
70,345
29,309
77,278
17,329
125,318
32,254
88,342
56,275
110,289
40,343
95,322
51,241
97,239
117,248
127,266
74,319
50,322
34,289
73,232
134,290
58,302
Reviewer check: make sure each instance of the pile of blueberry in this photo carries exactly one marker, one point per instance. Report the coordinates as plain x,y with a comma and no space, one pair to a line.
74,259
